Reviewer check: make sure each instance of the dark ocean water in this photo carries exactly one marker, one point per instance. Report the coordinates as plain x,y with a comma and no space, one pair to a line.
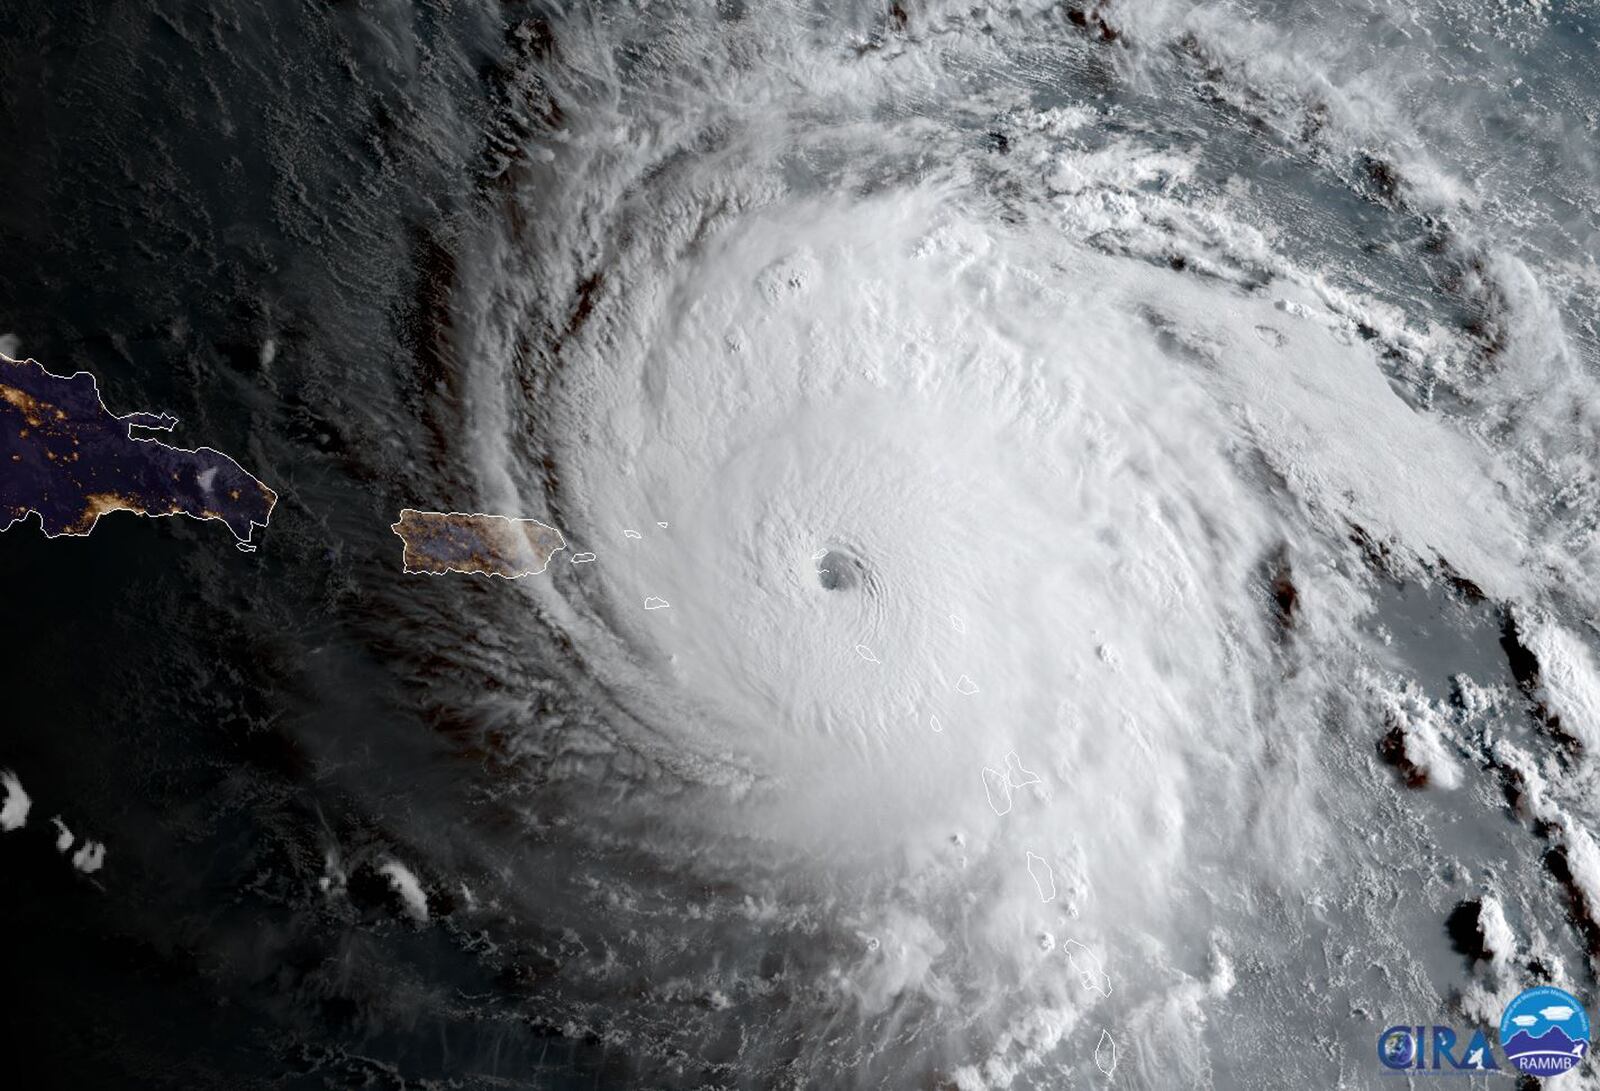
984,298
191,185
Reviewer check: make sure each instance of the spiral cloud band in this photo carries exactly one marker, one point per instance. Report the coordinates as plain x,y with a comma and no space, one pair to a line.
1016,528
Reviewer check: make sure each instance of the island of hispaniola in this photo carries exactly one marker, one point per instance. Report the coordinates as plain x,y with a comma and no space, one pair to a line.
67,458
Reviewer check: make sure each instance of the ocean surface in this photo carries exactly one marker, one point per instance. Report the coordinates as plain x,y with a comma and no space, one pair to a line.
1122,478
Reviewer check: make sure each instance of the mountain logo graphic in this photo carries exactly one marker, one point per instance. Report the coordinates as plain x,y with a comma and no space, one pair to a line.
1545,1031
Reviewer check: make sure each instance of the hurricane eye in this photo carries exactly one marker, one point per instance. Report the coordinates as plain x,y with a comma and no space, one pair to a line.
838,570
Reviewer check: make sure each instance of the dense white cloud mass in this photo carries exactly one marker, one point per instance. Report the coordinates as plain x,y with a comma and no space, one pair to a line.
1048,505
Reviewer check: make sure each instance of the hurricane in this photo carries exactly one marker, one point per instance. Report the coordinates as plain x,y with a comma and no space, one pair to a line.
1079,546
1060,482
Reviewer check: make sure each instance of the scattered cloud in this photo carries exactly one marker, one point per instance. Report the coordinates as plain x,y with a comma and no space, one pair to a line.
405,884
14,811
90,857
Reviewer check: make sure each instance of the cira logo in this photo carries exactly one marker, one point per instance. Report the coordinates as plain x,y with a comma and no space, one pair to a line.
1545,1031
1435,1049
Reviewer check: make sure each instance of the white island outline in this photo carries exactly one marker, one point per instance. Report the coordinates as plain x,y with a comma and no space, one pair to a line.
449,568
149,421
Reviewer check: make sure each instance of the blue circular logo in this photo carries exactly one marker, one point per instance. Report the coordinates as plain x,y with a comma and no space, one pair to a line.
1545,1031
1397,1048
